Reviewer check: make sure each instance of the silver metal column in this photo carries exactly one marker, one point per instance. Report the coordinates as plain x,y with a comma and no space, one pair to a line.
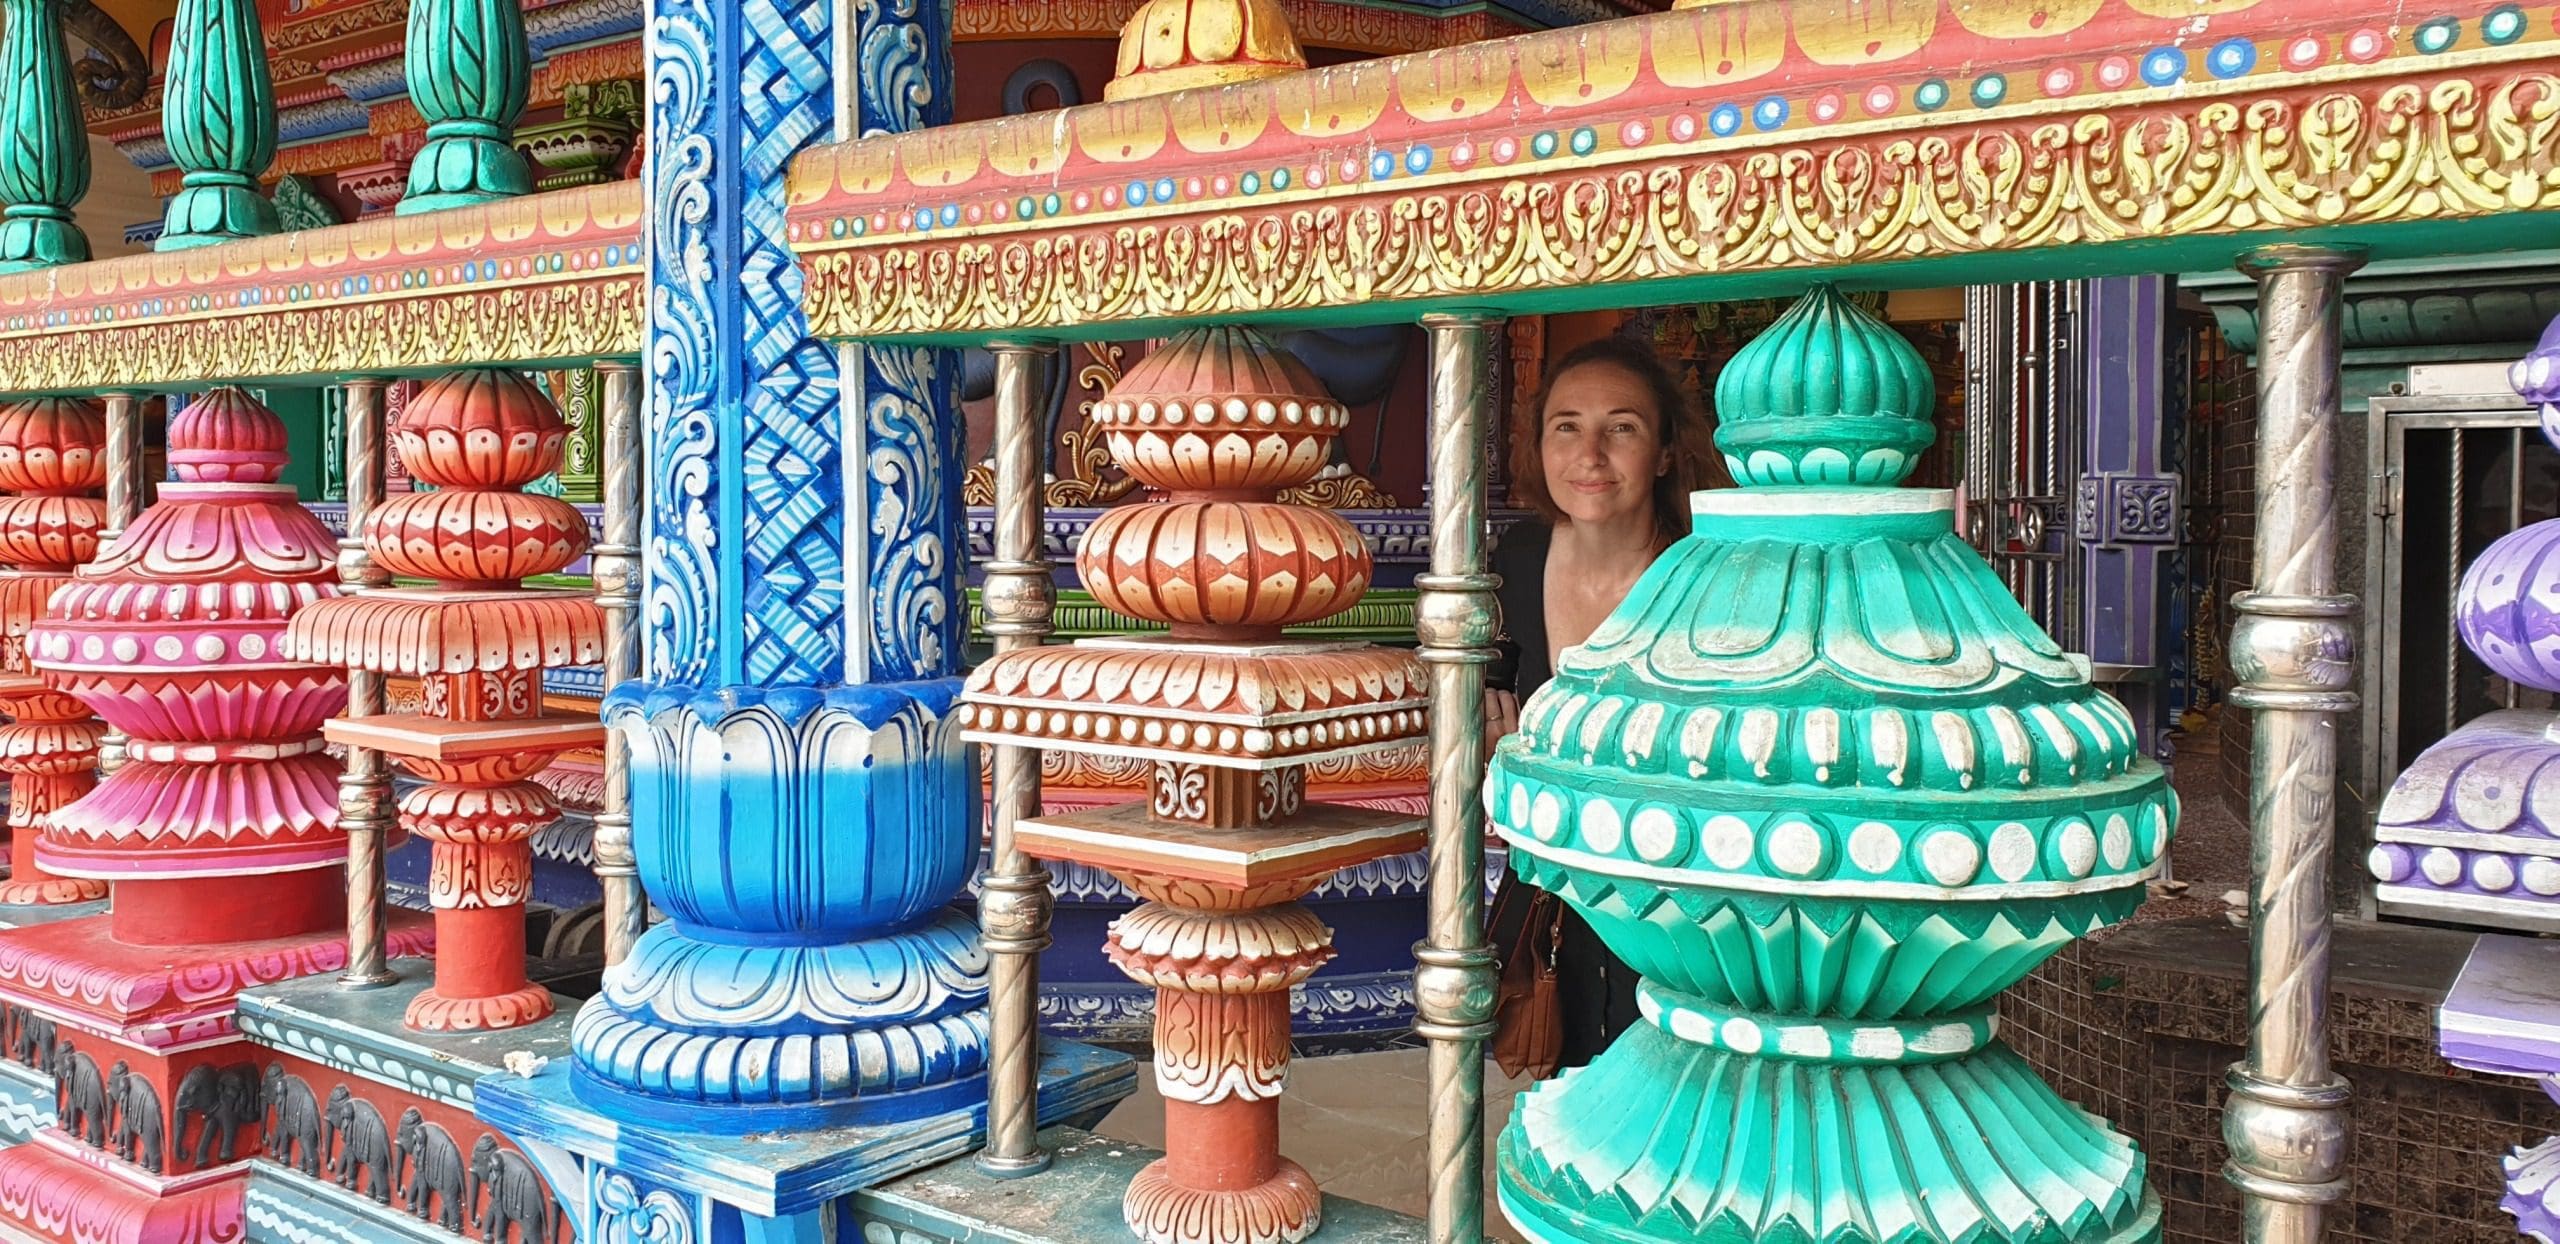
364,786
1014,904
2294,651
1453,980
124,501
616,566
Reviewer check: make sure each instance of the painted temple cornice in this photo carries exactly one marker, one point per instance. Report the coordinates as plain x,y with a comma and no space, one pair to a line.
1716,144
549,278
1341,24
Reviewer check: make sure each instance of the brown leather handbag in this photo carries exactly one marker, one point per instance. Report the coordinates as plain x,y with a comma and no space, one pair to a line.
1528,1014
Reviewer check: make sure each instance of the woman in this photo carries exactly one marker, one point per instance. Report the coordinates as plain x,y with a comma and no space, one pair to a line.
1606,460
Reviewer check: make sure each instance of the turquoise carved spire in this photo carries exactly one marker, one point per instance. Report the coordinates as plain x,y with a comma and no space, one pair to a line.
469,71
1824,784
219,112
44,151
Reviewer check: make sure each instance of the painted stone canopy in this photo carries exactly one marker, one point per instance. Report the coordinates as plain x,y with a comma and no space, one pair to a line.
1825,785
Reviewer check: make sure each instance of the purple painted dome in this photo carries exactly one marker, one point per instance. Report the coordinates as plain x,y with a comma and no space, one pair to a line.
2510,606
2536,376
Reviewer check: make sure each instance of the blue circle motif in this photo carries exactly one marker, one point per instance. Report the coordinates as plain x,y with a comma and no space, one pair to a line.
1418,160
1931,95
1052,205
1724,120
2502,25
1136,195
860,226
2163,66
1382,166
1166,191
1280,179
1770,113
1990,89
1585,141
2231,58
924,218
1544,145
2439,35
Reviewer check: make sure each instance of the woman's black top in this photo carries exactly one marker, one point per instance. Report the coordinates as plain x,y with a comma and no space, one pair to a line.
1596,991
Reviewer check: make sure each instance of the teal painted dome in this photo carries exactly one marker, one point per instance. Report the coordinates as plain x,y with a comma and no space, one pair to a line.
1827,395
1824,783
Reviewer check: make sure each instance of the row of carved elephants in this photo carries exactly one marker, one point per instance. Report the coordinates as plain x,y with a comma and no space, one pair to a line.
341,1138
114,1111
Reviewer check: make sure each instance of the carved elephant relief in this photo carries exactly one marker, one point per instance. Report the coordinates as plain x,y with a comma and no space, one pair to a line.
358,1147
427,1169
292,1122
219,1101
509,1202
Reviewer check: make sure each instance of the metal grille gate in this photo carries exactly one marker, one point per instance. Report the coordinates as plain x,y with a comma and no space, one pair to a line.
2023,430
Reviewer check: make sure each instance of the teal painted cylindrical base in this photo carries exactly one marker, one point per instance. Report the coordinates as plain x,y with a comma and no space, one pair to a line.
1846,1132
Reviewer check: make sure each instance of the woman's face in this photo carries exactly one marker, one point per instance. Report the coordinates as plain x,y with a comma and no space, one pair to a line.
1601,444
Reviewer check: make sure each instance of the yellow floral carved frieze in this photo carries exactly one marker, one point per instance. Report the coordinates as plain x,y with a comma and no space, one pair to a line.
543,278
586,320
2444,150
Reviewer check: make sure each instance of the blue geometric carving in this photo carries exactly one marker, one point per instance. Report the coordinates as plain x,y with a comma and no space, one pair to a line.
811,1015
747,564
805,845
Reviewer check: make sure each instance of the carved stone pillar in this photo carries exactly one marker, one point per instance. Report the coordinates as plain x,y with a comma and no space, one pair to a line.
802,806
469,71
1230,715
44,165
219,113
478,640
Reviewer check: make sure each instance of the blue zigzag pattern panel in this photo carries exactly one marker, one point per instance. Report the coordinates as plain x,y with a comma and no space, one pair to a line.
748,565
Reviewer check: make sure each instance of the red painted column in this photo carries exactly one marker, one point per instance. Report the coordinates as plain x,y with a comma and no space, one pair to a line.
478,641
53,458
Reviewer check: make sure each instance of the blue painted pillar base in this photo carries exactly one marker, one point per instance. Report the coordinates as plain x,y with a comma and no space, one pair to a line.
805,843
619,1182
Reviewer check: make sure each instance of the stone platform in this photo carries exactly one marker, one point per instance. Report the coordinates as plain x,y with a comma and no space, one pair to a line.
1076,1200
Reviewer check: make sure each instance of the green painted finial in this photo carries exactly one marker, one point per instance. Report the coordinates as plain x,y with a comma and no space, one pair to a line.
1829,395
44,151
219,111
1828,789
469,72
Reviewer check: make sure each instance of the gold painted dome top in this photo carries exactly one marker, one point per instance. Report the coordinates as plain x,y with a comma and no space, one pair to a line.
1176,45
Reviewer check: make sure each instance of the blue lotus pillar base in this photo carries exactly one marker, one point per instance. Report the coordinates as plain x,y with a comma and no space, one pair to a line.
811,1018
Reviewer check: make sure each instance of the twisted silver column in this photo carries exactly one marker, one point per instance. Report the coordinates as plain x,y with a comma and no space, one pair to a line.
124,501
1453,980
1014,903
615,563
2294,651
364,785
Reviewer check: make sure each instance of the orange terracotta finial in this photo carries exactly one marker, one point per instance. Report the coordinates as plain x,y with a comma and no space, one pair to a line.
1176,45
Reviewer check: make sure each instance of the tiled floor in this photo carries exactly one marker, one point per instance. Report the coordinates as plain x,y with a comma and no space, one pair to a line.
1356,1122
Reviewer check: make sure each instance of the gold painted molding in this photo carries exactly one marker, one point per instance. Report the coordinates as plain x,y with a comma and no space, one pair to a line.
2473,141
547,278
